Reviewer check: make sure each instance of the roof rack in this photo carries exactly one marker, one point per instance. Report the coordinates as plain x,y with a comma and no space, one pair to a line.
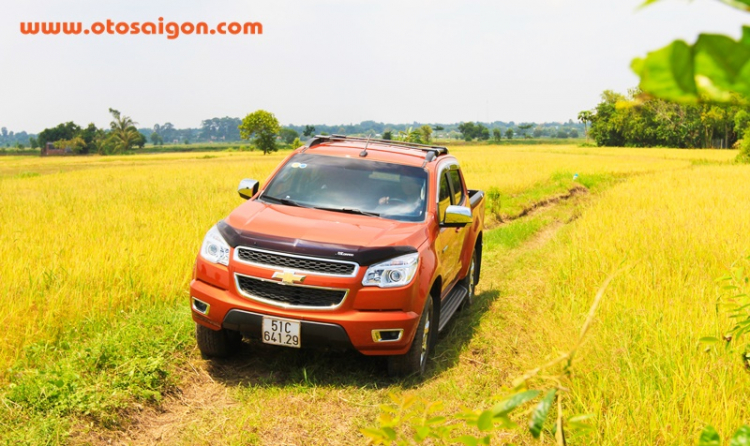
432,152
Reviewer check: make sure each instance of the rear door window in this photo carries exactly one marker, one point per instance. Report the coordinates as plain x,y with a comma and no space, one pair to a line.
444,199
457,186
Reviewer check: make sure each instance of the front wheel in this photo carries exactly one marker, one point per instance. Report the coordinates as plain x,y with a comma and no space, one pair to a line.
415,360
217,344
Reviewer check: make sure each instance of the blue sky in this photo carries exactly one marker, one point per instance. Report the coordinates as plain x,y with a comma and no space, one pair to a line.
338,61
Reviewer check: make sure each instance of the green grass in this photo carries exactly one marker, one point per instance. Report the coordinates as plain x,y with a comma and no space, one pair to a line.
97,372
560,184
512,235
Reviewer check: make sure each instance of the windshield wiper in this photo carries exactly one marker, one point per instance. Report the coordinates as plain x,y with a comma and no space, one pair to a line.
349,211
286,201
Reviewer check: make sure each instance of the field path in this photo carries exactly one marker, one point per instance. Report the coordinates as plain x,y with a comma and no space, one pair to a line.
209,404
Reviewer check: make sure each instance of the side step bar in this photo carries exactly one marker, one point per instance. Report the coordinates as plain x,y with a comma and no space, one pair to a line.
451,303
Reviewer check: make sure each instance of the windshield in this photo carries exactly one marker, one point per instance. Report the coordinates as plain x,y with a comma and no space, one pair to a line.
351,185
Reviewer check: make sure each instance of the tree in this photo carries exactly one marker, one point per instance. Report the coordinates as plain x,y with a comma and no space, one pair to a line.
91,136
438,128
468,130
218,129
509,133
497,135
76,144
410,134
262,128
309,130
65,131
741,123
123,132
585,117
156,139
140,140
638,121
33,143
483,133
167,132
426,133
288,135
524,128
538,132
606,124
388,135
573,133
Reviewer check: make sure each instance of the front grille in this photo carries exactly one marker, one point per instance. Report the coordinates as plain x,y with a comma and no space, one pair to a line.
278,260
290,294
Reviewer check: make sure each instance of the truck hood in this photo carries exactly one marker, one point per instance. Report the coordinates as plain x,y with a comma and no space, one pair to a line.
317,232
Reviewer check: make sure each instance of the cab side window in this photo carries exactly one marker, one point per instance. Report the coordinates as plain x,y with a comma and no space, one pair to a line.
444,197
457,185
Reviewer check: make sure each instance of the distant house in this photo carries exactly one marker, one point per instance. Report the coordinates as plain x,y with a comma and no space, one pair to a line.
50,150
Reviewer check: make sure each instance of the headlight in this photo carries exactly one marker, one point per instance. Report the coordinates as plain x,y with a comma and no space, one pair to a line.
215,249
395,272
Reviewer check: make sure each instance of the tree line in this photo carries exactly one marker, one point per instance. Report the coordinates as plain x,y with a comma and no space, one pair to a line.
637,120
119,138
123,134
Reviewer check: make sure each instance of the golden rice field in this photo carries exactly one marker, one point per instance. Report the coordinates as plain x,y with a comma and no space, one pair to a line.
85,238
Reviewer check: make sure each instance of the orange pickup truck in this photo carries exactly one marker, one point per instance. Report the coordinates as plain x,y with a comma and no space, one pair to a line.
352,243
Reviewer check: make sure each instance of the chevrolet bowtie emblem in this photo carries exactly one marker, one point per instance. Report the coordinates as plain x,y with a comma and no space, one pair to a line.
288,277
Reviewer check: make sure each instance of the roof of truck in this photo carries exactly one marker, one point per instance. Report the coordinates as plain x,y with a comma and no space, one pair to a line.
399,152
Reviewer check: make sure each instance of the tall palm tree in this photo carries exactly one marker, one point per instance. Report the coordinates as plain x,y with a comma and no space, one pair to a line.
123,131
585,117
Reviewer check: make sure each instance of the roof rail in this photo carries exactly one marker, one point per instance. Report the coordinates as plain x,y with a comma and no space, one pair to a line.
434,150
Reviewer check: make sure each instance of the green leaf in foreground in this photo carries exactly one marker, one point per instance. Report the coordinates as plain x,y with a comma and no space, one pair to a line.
540,413
709,437
505,406
484,423
714,69
668,73
741,437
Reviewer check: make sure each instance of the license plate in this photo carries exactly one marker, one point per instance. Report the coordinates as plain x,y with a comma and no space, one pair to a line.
281,332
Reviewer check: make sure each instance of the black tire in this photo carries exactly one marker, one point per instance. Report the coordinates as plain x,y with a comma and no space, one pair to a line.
415,360
470,281
217,344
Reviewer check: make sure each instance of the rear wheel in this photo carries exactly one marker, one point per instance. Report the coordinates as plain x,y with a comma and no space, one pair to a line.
415,360
217,344
470,281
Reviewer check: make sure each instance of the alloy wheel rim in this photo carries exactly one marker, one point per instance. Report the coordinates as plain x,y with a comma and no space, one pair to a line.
471,276
425,338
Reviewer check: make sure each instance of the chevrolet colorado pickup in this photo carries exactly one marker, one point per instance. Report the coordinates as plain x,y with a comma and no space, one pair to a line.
352,243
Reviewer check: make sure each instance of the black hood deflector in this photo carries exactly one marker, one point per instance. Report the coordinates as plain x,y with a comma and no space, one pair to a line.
364,256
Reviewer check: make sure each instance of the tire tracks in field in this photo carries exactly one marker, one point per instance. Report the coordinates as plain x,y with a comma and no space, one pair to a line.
199,397
538,206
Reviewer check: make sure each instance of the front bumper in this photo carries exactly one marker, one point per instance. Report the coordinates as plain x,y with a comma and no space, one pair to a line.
349,326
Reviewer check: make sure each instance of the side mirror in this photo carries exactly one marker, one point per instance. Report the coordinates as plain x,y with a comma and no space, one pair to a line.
457,216
248,188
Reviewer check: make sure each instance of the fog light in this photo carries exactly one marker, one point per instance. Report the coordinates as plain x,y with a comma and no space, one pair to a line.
387,335
200,306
